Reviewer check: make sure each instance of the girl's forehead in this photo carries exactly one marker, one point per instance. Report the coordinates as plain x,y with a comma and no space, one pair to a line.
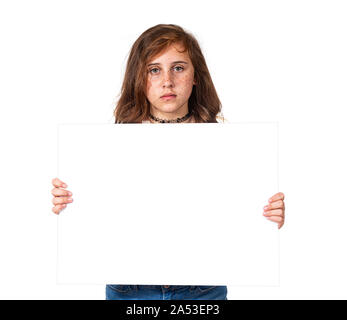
173,51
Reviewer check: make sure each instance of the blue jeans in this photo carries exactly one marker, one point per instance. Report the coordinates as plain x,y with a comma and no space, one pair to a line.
157,292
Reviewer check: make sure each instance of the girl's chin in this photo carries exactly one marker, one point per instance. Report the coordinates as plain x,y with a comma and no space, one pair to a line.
167,109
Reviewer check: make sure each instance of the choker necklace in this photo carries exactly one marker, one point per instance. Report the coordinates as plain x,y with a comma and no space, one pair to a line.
170,121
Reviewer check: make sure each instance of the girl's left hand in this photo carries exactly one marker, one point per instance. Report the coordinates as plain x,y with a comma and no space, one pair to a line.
274,211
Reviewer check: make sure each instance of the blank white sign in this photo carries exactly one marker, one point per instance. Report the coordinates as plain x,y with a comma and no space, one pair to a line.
174,204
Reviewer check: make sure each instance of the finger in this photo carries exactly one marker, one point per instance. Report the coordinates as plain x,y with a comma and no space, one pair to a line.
277,196
275,219
56,209
60,192
58,183
274,205
61,200
276,212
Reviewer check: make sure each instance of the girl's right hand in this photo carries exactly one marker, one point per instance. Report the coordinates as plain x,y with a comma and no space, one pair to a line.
61,197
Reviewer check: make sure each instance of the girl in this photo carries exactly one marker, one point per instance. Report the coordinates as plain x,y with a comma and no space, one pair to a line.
167,80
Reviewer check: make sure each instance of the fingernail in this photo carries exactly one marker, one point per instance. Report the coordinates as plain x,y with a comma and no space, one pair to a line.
266,207
64,185
69,193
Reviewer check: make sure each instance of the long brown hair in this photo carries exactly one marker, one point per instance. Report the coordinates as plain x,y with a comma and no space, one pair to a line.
133,106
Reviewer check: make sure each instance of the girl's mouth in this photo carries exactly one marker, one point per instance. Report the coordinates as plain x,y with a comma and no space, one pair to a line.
168,97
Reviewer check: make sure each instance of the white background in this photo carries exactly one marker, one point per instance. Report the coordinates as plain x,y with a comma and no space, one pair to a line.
63,62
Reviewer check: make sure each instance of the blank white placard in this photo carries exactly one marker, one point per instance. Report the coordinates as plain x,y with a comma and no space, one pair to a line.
174,204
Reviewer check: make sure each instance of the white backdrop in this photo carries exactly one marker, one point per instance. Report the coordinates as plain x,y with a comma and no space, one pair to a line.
63,62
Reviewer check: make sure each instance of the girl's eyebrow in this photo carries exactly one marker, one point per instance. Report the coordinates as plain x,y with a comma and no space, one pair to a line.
152,64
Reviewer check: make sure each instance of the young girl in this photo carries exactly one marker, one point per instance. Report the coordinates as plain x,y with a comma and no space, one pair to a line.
166,81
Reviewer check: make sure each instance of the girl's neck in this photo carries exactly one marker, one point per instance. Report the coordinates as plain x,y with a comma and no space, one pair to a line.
191,119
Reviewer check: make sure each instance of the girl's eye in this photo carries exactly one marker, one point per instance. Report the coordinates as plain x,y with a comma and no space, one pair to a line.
179,67
153,69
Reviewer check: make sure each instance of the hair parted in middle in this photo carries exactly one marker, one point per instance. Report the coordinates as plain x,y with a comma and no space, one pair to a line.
133,105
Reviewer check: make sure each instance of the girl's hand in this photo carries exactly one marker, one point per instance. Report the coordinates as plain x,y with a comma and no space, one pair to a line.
274,211
61,197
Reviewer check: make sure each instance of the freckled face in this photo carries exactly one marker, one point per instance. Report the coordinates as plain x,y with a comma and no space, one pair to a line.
170,72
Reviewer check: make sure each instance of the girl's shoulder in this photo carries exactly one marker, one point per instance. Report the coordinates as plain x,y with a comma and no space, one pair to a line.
221,119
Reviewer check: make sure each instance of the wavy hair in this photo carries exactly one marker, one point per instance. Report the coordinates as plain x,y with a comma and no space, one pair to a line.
133,105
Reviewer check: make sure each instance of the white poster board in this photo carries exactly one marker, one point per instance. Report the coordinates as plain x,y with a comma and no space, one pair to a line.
174,204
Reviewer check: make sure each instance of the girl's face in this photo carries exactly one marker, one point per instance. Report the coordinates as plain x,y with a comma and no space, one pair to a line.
171,72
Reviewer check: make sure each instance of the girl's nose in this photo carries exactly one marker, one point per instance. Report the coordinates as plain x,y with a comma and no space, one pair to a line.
167,81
